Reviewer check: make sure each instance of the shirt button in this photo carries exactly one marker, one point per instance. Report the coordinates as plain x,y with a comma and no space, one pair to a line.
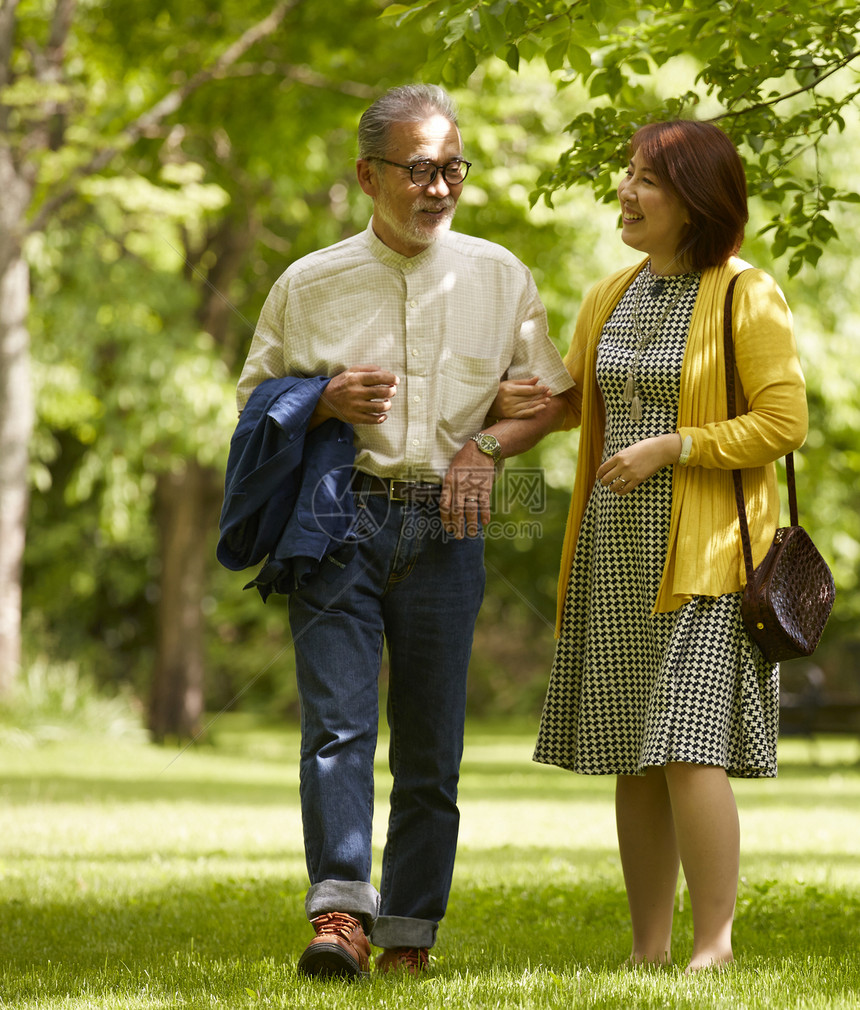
416,399
414,304
414,352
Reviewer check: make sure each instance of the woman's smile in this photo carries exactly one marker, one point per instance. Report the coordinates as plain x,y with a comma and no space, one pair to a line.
653,218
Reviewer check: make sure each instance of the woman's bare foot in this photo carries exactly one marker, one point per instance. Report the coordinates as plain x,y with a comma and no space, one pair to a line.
703,962
636,961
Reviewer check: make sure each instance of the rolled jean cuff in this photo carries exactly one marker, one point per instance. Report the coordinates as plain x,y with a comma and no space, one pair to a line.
355,897
398,931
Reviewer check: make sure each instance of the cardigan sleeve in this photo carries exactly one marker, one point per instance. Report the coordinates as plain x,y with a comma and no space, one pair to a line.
596,308
574,362
771,393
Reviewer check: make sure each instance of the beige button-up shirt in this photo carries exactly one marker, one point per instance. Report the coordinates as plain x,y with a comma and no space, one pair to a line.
449,322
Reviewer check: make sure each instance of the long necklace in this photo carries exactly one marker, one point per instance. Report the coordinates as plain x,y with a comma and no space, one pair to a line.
631,391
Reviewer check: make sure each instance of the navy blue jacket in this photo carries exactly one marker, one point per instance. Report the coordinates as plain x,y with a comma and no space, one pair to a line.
287,490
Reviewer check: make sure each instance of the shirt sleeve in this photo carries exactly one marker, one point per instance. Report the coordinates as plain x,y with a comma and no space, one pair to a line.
266,355
534,352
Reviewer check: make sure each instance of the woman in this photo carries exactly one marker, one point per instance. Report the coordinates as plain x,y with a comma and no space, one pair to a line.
655,680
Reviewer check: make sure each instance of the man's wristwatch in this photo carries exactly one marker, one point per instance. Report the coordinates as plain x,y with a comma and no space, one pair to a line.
488,444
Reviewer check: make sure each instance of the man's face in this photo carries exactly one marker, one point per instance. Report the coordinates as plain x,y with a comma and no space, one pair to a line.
406,217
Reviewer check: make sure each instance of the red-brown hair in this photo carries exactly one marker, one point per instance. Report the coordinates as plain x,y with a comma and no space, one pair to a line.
702,166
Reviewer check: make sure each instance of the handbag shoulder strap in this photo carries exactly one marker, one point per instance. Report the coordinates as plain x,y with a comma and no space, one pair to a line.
729,352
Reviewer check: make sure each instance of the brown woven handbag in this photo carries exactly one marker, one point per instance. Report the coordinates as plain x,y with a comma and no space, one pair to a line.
788,598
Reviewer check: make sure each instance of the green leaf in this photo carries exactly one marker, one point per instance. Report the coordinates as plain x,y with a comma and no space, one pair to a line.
812,253
598,85
395,10
598,9
580,60
512,58
515,21
456,29
461,64
529,48
492,30
555,56
779,246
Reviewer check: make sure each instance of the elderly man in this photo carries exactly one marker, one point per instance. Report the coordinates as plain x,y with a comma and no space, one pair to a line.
413,327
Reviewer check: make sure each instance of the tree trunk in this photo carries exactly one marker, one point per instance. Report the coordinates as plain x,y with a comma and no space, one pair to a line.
17,181
187,513
17,407
16,425
187,505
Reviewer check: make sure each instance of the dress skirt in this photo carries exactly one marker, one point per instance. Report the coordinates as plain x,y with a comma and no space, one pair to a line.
630,689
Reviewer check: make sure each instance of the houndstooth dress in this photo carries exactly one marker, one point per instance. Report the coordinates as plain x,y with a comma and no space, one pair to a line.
629,689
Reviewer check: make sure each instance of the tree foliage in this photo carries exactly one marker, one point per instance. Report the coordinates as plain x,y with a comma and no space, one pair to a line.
161,215
776,76
71,108
197,152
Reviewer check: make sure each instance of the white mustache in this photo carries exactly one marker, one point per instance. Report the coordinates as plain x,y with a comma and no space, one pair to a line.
442,205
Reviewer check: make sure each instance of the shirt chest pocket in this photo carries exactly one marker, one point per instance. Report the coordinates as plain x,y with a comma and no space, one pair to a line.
468,385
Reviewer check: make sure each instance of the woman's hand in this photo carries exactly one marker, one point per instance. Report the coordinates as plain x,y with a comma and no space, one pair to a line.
520,398
635,464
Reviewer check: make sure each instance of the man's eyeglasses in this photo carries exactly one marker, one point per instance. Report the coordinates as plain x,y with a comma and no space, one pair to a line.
423,173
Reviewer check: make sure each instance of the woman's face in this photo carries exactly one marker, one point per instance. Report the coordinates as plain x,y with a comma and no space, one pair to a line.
653,219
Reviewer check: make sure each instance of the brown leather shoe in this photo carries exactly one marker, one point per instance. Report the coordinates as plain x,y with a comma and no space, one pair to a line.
339,948
415,960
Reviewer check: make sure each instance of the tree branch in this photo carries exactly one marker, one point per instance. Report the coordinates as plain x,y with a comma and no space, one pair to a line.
7,37
164,108
174,99
733,113
60,24
303,74
7,41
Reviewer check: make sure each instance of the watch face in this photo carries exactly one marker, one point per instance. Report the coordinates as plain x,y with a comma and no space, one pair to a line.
489,444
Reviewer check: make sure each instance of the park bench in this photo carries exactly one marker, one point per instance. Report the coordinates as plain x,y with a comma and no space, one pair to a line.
813,709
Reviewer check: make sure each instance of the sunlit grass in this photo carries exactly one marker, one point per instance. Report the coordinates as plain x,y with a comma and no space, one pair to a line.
134,876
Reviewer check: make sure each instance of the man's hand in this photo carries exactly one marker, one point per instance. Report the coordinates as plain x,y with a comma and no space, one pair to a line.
360,395
464,503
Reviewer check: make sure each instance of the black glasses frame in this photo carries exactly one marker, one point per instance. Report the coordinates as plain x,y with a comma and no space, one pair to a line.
466,165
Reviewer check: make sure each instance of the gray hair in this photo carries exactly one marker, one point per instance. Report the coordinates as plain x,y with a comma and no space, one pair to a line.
411,103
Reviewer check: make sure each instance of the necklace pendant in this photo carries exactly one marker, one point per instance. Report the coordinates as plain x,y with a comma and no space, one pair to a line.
635,408
629,389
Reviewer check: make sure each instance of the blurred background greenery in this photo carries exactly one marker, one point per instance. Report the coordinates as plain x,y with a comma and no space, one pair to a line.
152,235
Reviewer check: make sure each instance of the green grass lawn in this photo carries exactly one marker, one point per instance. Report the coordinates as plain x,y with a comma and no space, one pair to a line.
136,876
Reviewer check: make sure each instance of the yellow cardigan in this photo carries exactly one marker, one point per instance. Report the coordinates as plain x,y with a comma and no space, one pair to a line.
704,555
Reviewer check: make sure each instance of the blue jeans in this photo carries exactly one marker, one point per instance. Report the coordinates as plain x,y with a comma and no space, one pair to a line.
419,590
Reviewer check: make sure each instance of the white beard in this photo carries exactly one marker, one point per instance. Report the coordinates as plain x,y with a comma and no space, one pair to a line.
418,228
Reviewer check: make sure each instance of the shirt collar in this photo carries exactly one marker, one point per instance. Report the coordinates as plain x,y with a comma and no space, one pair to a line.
394,259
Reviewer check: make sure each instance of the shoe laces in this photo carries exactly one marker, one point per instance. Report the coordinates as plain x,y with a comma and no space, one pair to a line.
338,923
413,957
